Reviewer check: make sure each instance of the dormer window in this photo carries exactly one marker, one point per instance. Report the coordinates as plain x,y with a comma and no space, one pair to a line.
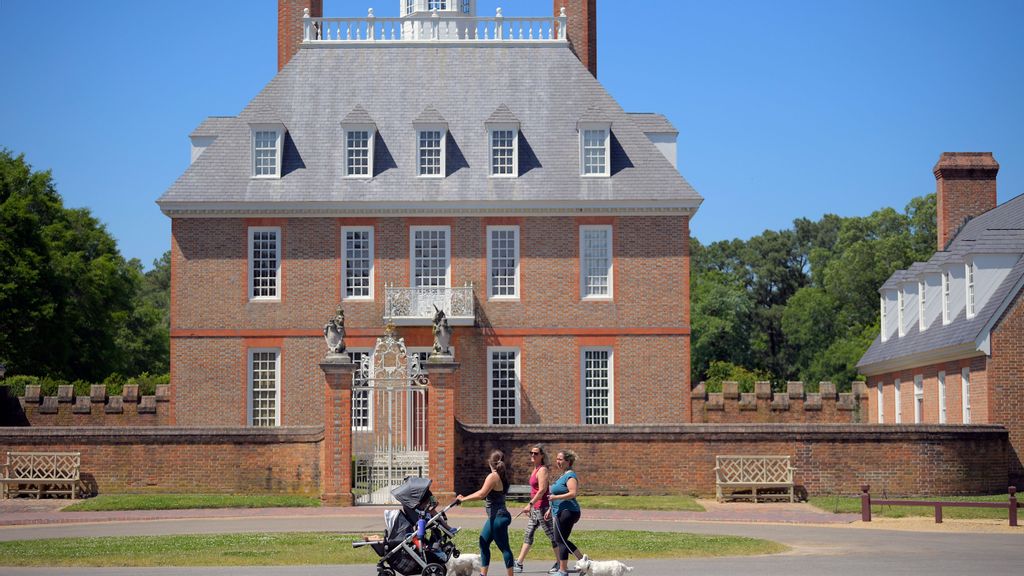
266,150
437,5
901,302
947,280
358,135
595,149
921,303
969,273
430,152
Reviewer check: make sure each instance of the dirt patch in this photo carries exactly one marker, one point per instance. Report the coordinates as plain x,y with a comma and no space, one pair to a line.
925,524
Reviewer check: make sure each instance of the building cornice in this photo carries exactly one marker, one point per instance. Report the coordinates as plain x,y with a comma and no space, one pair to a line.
406,209
934,356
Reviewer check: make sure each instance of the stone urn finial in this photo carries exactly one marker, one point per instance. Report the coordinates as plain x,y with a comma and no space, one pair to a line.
334,334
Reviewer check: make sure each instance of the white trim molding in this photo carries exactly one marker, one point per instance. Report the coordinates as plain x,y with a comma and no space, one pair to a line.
345,260
258,143
609,387
590,291
255,243
514,277
516,385
509,167
252,419
595,157
447,254
353,168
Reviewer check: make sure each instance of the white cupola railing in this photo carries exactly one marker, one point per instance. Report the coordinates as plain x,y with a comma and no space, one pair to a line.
438,27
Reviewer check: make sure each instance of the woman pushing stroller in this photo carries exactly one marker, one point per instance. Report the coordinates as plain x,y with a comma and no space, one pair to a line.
495,528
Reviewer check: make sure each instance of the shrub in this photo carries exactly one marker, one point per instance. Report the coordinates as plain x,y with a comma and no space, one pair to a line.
148,382
720,371
16,384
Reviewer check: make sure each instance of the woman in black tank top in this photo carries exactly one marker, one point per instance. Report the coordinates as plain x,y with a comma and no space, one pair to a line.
498,519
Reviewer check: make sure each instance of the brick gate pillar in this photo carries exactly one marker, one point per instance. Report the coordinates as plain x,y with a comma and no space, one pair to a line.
442,442
336,458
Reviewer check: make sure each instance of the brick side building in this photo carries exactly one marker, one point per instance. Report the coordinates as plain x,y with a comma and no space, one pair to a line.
395,165
950,348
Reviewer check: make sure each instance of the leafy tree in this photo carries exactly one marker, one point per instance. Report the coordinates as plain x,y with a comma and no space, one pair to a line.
69,302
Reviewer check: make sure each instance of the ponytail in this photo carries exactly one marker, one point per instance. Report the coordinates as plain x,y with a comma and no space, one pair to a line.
497,461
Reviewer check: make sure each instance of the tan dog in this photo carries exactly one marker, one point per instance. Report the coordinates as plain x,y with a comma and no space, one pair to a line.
464,565
588,567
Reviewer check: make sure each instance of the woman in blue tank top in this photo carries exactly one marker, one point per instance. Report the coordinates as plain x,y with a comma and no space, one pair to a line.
498,519
565,510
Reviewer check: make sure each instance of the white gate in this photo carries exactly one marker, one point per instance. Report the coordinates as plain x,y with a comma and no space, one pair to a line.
389,421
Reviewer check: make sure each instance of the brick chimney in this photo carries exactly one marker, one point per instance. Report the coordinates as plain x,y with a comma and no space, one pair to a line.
965,186
582,30
289,26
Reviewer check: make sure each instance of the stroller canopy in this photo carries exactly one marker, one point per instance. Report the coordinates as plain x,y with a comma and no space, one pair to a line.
412,492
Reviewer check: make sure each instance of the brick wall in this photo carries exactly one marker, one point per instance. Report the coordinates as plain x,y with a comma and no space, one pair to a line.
954,402
899,460
1006,382
795,405
184,460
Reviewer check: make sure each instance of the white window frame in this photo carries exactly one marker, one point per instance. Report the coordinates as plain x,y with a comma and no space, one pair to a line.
345,262
942,396
898,403
252,230
443,169
611,384
447,249
901,302
921,304
279,131
369,391
883,319
491,130
249,401
969,280
947,280
918,398
965,395
881,403
490,263
585,127
440,5
371,137
583,260
517,387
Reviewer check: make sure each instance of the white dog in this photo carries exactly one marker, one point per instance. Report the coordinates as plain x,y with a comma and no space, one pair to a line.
588,567
464,565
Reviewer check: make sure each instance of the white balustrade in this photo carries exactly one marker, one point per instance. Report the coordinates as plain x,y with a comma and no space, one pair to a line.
415,306
436,27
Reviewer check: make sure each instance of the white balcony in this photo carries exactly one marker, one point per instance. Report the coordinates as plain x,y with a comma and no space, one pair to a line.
437,27
415,306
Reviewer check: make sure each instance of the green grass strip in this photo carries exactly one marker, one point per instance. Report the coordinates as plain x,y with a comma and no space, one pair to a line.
843,504
670,503
110,502
305,548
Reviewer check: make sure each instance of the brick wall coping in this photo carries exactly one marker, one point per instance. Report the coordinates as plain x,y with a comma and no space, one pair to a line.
740,432
159,435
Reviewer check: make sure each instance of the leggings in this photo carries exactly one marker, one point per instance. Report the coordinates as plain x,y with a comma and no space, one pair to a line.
563,528
496,530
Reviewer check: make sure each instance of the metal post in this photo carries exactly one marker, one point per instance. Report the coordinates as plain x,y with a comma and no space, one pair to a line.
1013,505
865,503
938,513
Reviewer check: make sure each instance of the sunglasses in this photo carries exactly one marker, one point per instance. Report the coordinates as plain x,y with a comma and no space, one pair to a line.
534,453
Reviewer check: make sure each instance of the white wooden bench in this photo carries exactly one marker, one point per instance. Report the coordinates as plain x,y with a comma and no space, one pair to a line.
40,473
739,474
518,493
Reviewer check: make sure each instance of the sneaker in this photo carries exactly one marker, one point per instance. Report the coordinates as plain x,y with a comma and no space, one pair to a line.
554,569
517,566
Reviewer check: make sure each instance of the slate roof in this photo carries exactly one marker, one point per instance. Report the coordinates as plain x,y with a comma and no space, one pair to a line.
998,231
544,86
502,115
358,115
213,126
652,123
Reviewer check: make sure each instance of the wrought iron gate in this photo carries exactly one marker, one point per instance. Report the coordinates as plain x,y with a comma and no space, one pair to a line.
389,417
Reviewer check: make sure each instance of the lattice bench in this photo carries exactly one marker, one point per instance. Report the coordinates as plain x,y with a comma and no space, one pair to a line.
40,472
754,473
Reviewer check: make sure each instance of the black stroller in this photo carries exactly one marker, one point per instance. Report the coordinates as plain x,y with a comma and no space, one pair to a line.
417,538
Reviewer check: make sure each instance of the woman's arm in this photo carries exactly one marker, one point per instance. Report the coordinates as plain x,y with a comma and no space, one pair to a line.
571,485
490,483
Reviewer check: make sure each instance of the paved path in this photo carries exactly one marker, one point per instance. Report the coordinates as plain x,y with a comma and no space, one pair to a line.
841,549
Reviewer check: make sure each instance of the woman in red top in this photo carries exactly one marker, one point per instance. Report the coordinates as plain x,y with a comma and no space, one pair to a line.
537,506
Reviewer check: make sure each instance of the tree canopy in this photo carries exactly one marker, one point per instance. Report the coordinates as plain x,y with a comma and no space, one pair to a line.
802,303
71,306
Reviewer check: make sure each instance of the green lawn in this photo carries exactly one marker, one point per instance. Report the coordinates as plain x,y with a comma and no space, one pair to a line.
840,504
302,548
684,503
180,501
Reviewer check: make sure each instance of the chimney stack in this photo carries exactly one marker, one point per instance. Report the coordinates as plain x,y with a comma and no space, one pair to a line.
582,30
965,186
289,26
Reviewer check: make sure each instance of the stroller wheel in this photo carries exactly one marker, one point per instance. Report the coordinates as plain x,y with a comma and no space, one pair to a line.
435,570
385,572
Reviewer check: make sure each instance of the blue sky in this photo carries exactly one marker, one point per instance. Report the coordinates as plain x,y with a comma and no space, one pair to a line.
785,109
